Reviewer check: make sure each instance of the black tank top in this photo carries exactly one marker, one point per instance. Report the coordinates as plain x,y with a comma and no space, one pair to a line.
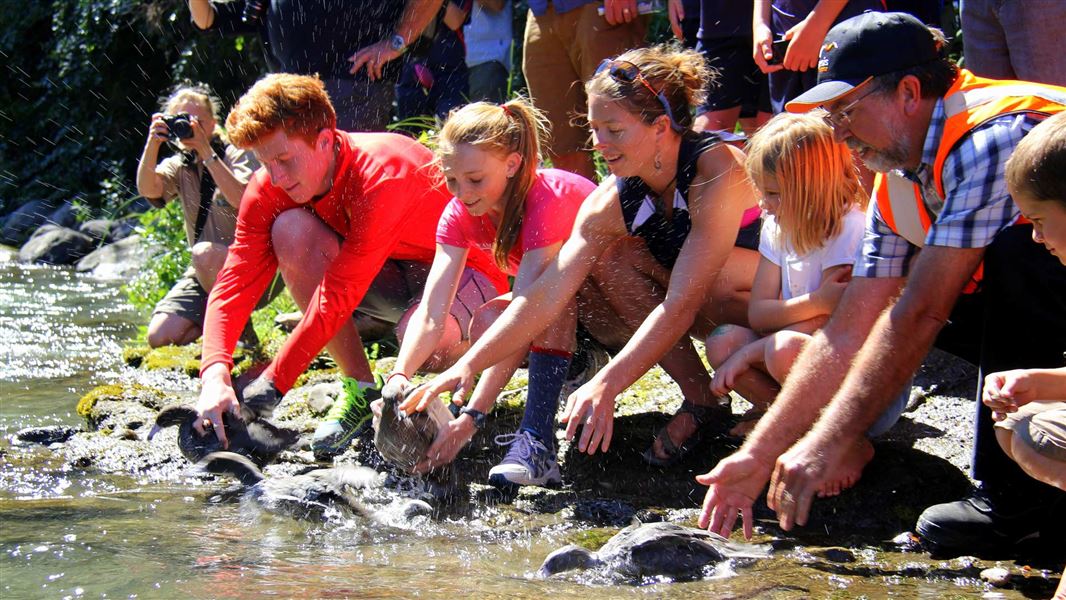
643,211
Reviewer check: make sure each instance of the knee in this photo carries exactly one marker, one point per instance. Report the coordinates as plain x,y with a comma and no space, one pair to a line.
207,254
159,334
485,316
782,351
726,340
293,237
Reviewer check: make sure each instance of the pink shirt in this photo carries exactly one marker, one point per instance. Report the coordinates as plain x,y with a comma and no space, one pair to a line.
550,209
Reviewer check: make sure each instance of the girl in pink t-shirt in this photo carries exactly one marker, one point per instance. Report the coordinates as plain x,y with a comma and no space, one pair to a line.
522,215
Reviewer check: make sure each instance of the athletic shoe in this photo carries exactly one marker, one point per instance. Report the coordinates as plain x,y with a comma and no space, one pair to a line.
528,462
348,418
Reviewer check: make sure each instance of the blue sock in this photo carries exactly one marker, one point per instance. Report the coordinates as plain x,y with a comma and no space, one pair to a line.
547,372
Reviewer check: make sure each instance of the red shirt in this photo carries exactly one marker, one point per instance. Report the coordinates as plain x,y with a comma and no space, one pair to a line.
385,202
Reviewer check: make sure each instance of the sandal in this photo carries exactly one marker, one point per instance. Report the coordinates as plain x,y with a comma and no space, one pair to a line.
702,415
748,420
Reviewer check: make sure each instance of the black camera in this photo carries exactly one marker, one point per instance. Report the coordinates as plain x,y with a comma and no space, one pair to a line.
179,126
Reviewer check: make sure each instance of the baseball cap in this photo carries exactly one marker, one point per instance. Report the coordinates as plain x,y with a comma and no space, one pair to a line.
865,46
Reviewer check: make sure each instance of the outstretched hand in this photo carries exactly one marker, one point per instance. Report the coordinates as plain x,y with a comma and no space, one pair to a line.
216,398
798,476
458,379
733,486
591,407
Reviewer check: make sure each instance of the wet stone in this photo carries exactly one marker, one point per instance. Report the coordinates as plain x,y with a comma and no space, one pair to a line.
836,555
997,576
603,512
536,499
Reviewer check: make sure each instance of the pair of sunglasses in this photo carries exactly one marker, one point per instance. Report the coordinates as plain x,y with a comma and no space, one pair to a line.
626,72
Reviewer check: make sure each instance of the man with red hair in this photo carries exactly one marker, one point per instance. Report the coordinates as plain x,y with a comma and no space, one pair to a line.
350,220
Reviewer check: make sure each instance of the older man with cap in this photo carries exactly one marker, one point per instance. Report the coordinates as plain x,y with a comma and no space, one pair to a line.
944,261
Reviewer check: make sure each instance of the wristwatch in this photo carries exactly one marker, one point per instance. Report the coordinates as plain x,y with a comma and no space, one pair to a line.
397,43
476,415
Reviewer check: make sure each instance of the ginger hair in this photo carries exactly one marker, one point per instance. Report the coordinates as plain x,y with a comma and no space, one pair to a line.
817,177
296,104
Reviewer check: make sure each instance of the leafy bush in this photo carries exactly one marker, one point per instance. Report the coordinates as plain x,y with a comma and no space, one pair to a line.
163,230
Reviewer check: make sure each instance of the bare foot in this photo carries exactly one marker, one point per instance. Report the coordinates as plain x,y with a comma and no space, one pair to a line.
747,423
849,471
680,427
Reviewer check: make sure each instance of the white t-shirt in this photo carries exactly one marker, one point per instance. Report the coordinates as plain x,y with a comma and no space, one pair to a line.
803,274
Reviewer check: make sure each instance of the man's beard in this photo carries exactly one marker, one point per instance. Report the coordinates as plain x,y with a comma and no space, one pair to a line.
883,161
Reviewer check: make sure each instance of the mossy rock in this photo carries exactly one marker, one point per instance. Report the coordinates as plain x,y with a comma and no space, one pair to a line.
592,539
176,358
148,397
134,355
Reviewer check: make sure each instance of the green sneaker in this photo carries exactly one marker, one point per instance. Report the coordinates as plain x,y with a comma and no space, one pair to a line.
348,418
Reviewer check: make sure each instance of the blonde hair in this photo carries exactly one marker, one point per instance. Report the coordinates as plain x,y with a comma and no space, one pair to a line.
817,177
297,104
1037,168
515,126
680,74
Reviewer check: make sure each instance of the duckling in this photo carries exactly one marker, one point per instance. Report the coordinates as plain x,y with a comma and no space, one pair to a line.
259,440
312,494
649,549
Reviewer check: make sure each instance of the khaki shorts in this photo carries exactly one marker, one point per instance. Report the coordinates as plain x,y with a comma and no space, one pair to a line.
399,285
1041,426
561,53
188,299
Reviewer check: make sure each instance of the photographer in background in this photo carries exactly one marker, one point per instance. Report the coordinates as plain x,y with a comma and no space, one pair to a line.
208,175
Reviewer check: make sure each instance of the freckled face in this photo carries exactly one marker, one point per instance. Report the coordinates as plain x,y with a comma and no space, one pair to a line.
1049,222
296,166
478,178
620,136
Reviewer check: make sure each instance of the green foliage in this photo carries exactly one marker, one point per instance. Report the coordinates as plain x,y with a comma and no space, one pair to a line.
82,78
164,231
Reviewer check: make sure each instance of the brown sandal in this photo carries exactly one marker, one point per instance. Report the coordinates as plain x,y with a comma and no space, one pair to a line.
702,416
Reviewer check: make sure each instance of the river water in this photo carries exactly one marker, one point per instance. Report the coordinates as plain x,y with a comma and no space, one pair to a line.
70,533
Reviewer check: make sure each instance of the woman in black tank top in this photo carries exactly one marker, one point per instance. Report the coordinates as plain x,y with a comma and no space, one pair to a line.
653,254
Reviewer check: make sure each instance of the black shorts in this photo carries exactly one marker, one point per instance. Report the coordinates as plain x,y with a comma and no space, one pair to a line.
739,81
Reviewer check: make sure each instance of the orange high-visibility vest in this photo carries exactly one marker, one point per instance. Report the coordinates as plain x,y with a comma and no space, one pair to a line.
971,102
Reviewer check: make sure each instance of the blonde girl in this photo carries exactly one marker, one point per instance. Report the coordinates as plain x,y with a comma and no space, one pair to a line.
813,226
521,215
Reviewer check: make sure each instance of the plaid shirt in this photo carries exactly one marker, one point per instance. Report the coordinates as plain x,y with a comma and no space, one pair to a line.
977,205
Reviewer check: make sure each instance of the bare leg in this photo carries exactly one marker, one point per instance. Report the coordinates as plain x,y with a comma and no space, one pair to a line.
633,283
579,162
207,261
1035,464
450,347
171,330
754,385
305,248
849,471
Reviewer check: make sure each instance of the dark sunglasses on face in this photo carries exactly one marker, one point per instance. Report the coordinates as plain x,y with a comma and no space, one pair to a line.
624,71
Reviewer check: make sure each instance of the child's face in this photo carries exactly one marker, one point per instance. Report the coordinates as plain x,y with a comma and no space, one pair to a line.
770,200
1049,222
478,178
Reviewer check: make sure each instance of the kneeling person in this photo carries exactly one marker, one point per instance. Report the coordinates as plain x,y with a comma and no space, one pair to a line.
349,218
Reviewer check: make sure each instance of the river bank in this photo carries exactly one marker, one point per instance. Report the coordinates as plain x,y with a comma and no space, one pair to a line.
110,512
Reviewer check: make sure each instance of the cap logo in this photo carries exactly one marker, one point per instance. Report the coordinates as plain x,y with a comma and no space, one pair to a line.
823,60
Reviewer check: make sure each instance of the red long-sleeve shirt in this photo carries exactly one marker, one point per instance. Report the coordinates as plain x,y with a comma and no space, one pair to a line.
385,202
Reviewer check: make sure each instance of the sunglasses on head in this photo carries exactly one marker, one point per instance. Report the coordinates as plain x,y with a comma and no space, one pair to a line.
624,71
